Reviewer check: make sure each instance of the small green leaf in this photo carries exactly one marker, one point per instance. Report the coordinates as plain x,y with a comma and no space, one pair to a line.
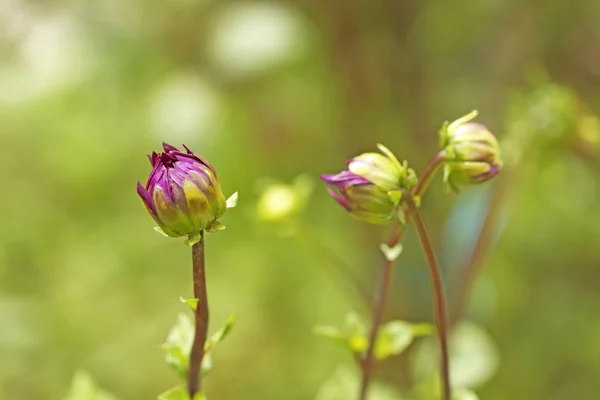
179,344
395,196
84,388
179,393
391,253
232,200
220,334
215,227
193,303
395,336
193,238
352,337
159,230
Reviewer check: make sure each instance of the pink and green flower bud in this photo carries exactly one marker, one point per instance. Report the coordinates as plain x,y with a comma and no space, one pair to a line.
182,193
361,198
369,190
383,170
472,152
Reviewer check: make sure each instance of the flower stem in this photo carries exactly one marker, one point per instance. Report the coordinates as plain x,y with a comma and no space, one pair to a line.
368,363
201,314
439,300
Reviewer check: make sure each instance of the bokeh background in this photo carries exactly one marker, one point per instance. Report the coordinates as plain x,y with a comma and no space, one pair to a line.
275,94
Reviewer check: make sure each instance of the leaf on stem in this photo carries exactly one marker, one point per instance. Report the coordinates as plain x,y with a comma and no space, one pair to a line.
179,393
179,344
391,253
395,336
193,303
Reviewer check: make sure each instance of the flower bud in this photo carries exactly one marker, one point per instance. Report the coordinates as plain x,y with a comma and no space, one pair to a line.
182,193
360,197
364,189
472,152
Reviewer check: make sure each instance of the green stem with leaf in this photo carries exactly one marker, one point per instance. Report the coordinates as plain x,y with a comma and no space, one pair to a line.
368,362
201,315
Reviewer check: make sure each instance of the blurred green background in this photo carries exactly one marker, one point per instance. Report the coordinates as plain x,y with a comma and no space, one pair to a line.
274,93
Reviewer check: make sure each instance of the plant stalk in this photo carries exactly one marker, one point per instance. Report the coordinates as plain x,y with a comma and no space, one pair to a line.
201,315
368,363
439,299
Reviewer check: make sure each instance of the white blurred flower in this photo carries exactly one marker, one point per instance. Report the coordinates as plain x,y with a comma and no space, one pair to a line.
253,36
185,106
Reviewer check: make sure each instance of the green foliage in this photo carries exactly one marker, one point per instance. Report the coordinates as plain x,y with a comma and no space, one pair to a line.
84,388
344,385
178,345
393,337
179,393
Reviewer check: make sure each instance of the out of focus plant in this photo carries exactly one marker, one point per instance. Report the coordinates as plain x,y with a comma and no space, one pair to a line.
183,195
378,189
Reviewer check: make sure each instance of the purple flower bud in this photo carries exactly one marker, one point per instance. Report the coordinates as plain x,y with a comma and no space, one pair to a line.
364,189
472,152
182,193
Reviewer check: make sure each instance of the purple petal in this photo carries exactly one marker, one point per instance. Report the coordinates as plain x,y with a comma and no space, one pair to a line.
338,198
344,178
146,198
168,148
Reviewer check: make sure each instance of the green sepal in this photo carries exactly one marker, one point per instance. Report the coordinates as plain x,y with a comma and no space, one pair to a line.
193,303
232,200
193,238
417,200
391,253
395,196
215,227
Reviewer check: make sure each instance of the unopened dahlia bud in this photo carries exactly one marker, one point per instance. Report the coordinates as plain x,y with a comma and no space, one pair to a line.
367,188
182,193
472,152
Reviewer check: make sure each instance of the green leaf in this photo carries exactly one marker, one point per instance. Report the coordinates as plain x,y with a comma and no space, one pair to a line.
179,344
179,393
84,388
345,383
215,227
193,303
395,196
474,357
391,253
232,200
352,337
220,334
395,336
